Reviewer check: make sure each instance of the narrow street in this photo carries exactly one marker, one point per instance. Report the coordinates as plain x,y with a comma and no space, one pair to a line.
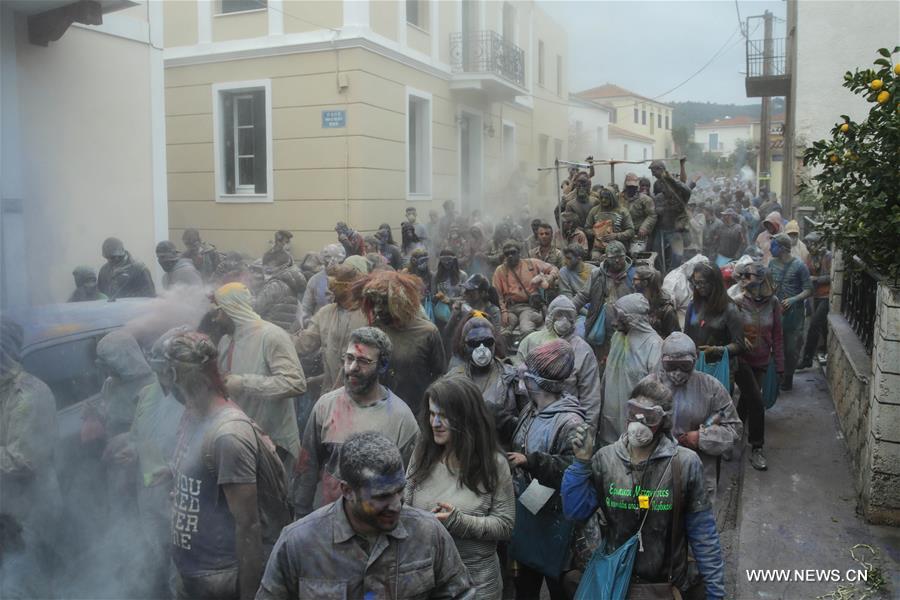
815,524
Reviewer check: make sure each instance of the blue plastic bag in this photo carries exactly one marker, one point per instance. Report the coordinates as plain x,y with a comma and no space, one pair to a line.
608,576
428,305
542,541
441,311
770,385
597,335
720,370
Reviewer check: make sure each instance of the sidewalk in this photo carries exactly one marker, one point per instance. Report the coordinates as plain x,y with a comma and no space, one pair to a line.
801,513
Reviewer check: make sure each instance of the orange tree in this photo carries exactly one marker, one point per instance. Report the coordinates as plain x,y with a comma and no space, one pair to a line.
859,171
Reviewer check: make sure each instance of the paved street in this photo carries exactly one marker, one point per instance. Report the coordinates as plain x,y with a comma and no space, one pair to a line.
801,513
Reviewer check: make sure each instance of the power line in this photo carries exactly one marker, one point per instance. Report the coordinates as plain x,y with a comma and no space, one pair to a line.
701,69
740,20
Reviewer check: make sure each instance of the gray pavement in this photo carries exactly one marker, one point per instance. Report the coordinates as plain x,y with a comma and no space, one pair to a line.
801,513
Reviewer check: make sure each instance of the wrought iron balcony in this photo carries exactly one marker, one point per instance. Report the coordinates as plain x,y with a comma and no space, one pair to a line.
486,52
767,72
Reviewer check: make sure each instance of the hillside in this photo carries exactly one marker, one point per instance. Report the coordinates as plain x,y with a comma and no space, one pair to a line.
688,114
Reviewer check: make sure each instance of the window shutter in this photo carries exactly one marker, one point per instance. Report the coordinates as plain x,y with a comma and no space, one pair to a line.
260,160
228,153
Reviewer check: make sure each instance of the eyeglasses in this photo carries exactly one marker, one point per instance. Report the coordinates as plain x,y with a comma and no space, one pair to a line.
486,342
651,416
362,361
511,253
685,365
699,283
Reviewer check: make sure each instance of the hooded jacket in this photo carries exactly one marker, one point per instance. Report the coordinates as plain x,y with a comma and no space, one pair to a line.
702,397
584,382
261,357
130,374
128,279
764,239
279,297
632,356
544,436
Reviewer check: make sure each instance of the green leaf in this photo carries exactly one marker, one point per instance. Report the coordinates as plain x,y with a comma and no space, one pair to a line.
883,61
884,52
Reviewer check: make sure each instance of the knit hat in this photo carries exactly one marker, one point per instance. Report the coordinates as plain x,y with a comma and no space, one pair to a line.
551,364
782,239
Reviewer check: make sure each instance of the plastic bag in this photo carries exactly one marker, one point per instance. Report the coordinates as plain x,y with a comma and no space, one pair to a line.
441,311
597,335
770,385
721,370
428,305
608,576
677,286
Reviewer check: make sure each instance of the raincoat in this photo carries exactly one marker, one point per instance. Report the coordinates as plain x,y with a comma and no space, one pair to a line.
154,431
183,273
329,330
677,285
632,356
700,399
584,382
130,374
29,490
277,301
262,357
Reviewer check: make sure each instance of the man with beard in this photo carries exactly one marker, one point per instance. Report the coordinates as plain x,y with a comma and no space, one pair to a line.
362,404
580,201
640,206
366,543
705,419
177,269
261,369
545,249
673,513
85,285
391,302
217,533
121,276
609,222
533,240
569,231
519,282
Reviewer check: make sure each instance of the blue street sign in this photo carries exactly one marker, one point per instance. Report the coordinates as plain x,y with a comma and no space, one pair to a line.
334,119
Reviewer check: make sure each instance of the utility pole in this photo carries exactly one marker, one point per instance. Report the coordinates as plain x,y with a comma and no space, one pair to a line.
764,174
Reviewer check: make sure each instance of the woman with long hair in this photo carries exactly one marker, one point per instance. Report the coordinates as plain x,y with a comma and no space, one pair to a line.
663,318
447,288
712,320
459,473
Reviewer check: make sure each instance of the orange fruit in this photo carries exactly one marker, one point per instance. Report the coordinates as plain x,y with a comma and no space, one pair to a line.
845,128
884,96
876,84
897,69
834,158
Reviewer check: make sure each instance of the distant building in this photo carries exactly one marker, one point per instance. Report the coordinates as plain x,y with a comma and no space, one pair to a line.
83,144
721,135
589,133
293,114
637,114
630,146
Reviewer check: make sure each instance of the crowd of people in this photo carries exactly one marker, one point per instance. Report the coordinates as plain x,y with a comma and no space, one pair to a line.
473,412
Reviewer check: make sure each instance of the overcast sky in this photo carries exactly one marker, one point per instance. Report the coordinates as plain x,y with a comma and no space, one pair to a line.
649,47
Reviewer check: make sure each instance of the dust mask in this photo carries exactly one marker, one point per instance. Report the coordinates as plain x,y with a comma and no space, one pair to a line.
482,356
679,378
639,435
562,327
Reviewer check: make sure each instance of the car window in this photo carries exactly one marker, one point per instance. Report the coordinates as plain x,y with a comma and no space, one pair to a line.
68,368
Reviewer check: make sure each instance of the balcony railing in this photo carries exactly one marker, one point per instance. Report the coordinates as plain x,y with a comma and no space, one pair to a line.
766,60
859,300
487,52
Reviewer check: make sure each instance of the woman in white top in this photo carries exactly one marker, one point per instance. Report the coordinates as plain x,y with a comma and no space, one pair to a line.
459,473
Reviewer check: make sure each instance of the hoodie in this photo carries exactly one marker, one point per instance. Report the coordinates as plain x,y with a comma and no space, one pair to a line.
183,273
584,382
544,436
764,239
130,373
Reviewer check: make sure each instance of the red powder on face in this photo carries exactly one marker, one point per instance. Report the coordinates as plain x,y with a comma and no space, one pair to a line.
358,349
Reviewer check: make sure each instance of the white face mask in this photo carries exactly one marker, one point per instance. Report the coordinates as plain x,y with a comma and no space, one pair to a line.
563,327
639,435
482,356
679,378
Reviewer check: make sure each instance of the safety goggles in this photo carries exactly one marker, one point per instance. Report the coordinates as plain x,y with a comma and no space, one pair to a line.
680,364
486,342
699,283
511,253
651,416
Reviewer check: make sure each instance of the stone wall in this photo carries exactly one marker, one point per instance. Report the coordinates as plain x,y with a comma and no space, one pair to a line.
866,394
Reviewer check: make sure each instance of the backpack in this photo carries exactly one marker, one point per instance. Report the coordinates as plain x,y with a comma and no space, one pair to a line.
271,480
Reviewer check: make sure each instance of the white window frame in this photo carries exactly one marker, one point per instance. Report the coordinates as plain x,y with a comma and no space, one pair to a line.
217,6
425,26
423,170
510,161
219,142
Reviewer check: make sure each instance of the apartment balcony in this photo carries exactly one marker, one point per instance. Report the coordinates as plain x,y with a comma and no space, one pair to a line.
485,64
767,73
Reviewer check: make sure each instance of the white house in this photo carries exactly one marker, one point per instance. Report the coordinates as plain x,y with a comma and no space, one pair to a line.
627,145
83,145
721,135
588,128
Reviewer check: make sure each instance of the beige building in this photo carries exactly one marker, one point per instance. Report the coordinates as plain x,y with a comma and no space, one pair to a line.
83,140
294,115
637,114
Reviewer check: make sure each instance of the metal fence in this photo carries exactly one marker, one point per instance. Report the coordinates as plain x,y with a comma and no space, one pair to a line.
487,52
759,54
859,300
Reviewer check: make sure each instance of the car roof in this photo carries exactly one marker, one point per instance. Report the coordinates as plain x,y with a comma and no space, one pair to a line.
51,321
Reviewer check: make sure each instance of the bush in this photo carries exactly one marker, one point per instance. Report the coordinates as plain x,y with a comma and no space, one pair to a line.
859,180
